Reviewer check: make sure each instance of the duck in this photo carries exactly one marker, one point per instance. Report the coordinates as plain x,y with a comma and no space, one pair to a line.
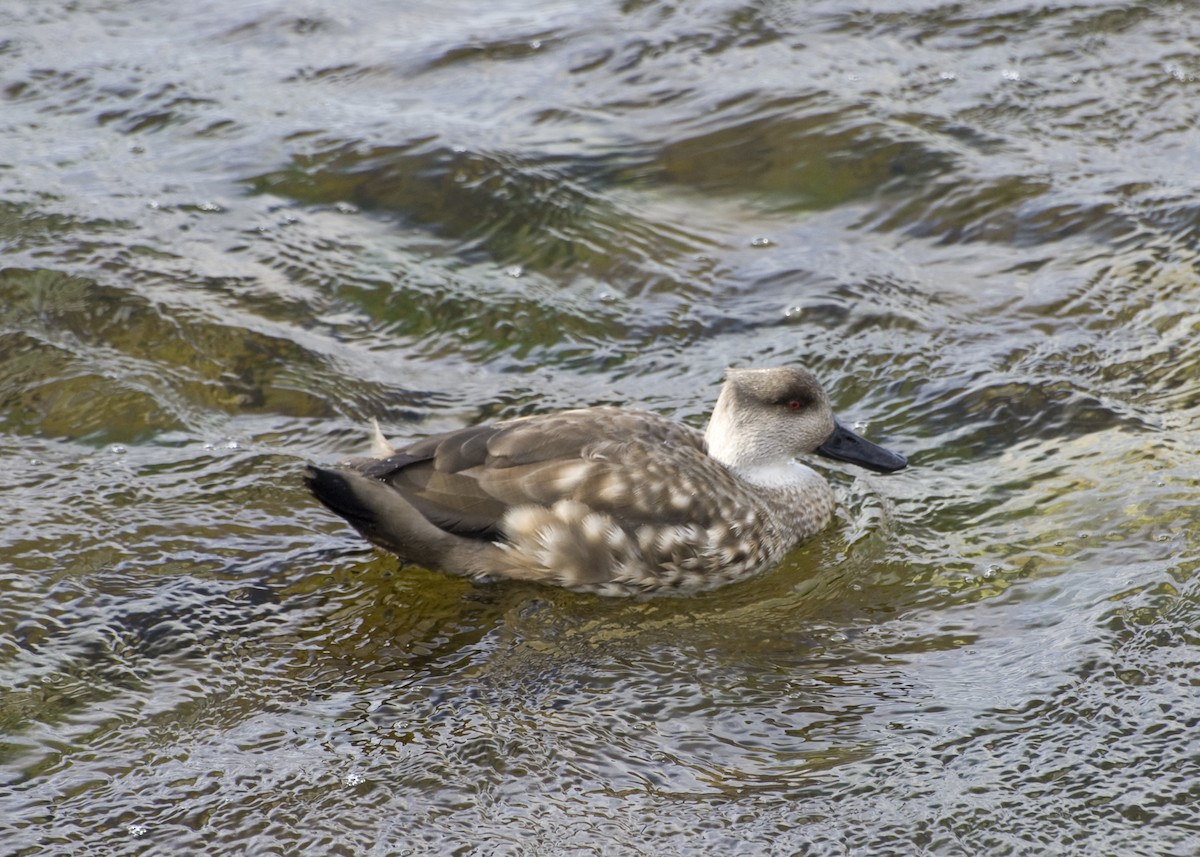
610,500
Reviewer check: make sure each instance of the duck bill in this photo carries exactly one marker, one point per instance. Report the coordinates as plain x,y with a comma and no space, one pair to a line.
845,445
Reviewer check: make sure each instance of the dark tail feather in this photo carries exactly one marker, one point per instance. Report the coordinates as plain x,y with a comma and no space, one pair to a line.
386,518
338,496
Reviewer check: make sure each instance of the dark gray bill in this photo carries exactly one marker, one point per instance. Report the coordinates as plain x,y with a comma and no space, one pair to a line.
845,445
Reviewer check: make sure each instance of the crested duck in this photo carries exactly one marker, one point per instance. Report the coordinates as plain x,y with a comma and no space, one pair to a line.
610,500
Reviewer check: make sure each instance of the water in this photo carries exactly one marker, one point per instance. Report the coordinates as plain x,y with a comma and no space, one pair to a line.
234,234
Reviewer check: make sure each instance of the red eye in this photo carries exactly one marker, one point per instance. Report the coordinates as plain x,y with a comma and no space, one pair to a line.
794,405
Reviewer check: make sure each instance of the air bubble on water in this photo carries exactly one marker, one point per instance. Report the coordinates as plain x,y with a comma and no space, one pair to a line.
136,829
210,206
354,778
117,449
1178,73
761,241
1010,74
514,271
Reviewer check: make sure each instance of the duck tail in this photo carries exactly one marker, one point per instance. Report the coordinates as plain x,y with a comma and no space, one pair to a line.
336,493
386,519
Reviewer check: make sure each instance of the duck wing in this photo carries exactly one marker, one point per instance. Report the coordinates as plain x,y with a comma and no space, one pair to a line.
635,466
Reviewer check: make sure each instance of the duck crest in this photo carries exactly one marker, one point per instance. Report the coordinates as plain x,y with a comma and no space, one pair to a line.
610,500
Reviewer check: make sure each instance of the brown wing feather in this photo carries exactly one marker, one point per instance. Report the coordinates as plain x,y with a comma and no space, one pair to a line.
613,460
433,475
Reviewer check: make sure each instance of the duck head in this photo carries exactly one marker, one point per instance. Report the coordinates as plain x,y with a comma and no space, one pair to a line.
767,417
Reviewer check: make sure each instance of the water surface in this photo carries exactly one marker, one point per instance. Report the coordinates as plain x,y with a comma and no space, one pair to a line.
234,234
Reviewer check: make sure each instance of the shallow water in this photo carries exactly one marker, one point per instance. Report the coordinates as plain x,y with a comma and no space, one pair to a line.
235,233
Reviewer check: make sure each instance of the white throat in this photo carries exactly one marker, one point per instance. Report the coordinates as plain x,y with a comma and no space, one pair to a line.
779,475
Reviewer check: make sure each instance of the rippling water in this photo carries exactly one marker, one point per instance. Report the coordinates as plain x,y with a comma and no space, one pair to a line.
232,234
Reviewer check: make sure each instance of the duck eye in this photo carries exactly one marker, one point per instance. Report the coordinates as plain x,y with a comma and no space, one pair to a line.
794,405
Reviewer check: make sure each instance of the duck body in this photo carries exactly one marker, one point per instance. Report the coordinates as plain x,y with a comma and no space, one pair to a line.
609,500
